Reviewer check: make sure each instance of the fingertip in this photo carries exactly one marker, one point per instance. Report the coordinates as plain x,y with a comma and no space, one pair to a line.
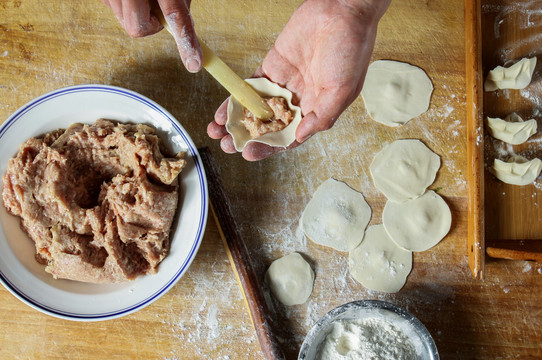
306,127
255,151
227,145
194,59
193,64
221,114
216,131
181,24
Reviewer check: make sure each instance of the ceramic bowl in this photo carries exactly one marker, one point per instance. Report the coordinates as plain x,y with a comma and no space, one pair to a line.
26,279
417,333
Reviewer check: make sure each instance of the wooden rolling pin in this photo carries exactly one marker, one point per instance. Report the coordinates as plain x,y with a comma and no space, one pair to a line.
528,249
240,261
222,73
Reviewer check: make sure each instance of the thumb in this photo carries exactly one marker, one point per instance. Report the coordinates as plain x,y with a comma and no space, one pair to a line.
330,105
312,124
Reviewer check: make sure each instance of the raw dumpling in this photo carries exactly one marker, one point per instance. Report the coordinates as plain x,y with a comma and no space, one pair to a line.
378,263
395,92
404,169
236,113
418,224
512,130
517,170
336,216
290,279
517,76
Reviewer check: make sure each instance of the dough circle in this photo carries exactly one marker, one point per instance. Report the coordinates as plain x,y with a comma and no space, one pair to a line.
395,92
418,224
404,169
290,279
336,216
378,263
235,113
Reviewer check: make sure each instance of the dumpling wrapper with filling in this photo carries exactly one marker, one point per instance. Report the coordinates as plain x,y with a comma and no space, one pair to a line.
395,92
418,224
517,170
512,130
517,76
378,263
336,216
290,279
404,169
236,113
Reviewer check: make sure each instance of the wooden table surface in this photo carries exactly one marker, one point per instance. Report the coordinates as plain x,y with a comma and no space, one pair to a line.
45,45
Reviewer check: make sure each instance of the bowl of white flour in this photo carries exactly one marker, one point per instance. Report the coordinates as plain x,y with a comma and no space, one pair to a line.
368,329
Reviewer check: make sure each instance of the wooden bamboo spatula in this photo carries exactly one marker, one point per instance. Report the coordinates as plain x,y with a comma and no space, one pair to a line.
222,73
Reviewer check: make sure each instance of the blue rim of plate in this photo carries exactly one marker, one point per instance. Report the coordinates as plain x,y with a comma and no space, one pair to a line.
203,192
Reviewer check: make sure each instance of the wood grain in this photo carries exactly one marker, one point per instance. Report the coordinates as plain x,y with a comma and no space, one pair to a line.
250,282
475,140
45,45
517,249
512,30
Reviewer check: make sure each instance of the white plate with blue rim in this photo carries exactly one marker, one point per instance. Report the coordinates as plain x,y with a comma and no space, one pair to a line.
26,279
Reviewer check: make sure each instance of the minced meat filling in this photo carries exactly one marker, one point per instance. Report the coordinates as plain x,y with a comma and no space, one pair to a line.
97,200
282,117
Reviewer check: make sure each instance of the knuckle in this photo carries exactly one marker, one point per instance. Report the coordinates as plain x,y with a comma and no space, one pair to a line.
136,31
175,13
141,29
326,125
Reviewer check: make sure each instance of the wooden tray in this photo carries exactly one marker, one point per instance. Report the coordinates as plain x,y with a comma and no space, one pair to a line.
505,221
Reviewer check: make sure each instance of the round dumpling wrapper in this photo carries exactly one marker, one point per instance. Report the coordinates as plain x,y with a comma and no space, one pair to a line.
404,169
418,224
336,216
378,263
290,279
395,92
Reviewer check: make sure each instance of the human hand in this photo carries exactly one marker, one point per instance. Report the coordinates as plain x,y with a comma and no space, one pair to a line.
321,55
136,18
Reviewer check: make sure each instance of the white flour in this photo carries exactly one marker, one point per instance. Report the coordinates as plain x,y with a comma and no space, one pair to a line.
368,338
